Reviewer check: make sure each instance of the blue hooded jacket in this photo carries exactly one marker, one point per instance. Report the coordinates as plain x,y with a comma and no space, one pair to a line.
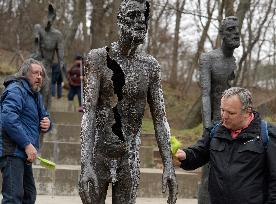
21,113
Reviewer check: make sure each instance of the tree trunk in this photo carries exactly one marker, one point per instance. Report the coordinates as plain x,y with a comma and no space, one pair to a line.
97,24
79,10
174,71
251,45
220,17
229,8
113,30
154,39
200,47
243,7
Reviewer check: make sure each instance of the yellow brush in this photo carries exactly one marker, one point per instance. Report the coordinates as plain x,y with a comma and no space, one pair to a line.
175,144
46,163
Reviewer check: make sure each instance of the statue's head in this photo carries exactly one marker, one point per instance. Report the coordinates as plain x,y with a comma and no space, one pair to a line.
229,32
51,16
133,19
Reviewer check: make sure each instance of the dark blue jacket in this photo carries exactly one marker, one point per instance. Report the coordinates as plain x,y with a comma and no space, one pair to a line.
242,170
21,113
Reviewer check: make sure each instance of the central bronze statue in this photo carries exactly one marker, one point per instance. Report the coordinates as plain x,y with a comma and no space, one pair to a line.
118,80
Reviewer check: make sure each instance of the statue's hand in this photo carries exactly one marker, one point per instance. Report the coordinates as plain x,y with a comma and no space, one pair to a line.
169,180
88,185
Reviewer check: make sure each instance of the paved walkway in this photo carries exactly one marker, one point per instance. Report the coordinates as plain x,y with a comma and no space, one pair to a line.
45,199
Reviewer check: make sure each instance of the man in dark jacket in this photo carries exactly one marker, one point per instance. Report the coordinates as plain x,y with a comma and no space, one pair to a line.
242,166
23,118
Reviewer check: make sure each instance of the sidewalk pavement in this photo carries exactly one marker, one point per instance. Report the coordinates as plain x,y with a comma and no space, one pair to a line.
46,199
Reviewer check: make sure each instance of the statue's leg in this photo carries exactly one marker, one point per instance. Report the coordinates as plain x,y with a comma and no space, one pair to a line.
103,186
102,171
124,191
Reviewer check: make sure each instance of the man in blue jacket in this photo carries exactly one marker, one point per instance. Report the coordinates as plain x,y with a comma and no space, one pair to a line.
23,118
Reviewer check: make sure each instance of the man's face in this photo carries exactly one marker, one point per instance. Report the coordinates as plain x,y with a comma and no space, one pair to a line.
132,22
35,76
232,115
230,34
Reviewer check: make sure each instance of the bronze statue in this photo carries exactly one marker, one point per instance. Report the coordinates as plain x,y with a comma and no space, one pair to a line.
117,82
48,41
216,71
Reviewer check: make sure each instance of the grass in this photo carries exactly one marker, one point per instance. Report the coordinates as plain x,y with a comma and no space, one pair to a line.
186,136
6,68
271,119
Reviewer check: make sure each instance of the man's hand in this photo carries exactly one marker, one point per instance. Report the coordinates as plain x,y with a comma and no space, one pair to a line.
31,152
169,180
45,124
179,156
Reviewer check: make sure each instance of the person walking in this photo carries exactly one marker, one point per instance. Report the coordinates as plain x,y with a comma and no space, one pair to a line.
23,118
74,80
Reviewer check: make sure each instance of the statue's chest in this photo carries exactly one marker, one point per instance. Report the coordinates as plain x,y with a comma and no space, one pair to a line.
48,41
128,78
223,70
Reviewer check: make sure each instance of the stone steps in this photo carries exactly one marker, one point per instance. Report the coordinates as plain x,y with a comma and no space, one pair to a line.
71,133
62,145
64,182
59,153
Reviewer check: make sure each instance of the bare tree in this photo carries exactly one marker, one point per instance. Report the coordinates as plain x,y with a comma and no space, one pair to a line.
200,47
174,71
97,24
241,68
78,12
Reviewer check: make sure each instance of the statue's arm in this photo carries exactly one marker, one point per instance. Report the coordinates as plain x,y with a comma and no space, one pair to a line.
88,129
60,53
205,83
37,41
162,132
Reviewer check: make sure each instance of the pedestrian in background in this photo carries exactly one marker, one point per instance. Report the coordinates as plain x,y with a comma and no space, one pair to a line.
74,80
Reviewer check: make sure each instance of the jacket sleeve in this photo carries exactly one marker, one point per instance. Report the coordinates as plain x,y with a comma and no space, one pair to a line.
12,106
198,154
43,112
271,164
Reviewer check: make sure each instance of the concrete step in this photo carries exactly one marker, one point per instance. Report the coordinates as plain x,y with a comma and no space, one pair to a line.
46,199
64,133
64,181
71,133
68,153
66,117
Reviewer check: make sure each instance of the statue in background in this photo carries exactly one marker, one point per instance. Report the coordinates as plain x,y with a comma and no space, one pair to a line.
118,80
48,41
216,71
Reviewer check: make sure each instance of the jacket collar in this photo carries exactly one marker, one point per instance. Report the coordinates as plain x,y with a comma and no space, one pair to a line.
250,132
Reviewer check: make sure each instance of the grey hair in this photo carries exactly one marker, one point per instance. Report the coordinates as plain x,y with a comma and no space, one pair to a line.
244,95
25,67
226,21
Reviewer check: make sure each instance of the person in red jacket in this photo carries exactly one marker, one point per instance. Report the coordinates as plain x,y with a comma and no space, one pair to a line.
74,80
